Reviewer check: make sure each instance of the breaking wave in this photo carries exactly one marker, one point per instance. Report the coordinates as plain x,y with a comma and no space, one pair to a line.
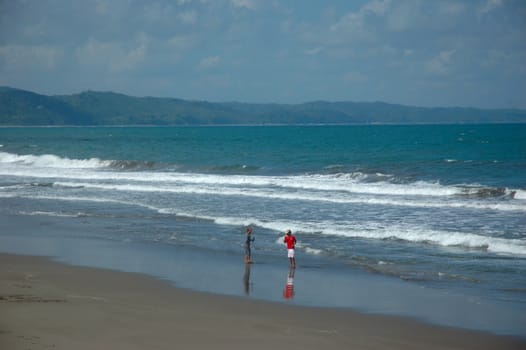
355,187
51,161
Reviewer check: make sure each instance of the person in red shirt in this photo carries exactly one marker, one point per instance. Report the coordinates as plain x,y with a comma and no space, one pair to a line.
290,240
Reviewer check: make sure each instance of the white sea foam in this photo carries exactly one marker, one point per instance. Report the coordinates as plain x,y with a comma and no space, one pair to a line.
12,187
325,186
368,230
443,238
271,187
51,213
336,188
51,166
51,161
322,183
520,194
313,251
371,230
83,199
320,197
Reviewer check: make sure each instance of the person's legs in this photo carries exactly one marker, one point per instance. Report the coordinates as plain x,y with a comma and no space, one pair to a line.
292,260
247,255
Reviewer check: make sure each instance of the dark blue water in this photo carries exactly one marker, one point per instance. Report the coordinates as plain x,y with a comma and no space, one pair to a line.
452,154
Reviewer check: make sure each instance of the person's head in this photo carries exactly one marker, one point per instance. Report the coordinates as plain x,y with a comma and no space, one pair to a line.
249,230
288,232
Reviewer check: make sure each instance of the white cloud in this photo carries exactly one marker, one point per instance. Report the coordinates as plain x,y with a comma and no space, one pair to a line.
451,8
406,15
188,17
154,12
419,15
490,5
27,57
247,4
440,64
208,62
111,56
131,59
314,51
181,42
101,7
94,52
104,8
35,30
338,43
354,77
354,25
376,7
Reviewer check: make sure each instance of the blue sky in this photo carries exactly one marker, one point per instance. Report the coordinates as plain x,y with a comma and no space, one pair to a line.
414,52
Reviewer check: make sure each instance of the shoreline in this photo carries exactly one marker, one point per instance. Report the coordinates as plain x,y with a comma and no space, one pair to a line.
95,243
46,304
263,125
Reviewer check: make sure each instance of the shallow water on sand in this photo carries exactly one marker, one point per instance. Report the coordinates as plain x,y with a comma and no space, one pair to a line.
315,282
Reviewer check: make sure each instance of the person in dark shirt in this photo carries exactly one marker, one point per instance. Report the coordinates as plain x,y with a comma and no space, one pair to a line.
248,240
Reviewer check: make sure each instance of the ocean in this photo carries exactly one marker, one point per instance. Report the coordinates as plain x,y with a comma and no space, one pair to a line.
401,212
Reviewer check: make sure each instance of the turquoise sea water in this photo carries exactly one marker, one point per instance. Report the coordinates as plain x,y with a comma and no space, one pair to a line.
441,207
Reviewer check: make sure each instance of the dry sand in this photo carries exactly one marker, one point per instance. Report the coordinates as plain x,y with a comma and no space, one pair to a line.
48,305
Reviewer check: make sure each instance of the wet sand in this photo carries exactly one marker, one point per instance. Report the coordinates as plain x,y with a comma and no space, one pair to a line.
49,305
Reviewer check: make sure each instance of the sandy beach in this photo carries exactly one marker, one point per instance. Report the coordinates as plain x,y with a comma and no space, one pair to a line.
49,305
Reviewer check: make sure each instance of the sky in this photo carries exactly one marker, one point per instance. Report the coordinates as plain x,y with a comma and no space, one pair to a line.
430,53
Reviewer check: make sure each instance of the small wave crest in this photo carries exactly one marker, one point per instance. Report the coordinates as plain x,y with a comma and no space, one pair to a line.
234,168
366,183
51,161
52,213
464,240
486,192
133,165
54,161
520,194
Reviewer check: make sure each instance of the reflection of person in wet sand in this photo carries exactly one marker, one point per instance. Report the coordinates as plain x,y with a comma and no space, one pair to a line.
288,293
246,279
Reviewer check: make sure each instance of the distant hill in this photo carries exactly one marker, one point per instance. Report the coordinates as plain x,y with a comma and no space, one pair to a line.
20,107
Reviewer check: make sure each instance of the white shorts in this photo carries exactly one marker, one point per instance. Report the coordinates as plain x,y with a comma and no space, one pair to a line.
290,253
